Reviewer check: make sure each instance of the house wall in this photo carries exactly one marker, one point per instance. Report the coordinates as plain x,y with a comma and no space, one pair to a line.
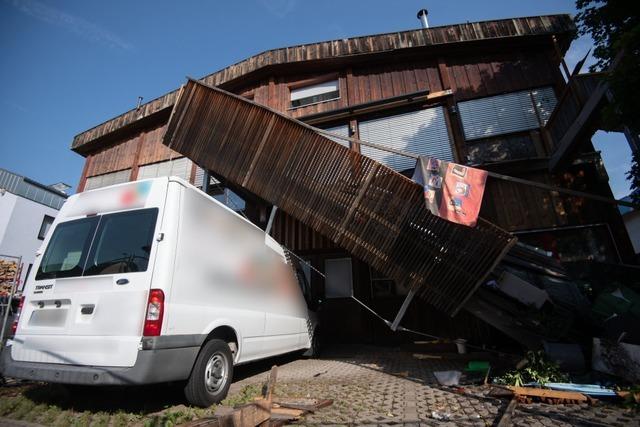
20,221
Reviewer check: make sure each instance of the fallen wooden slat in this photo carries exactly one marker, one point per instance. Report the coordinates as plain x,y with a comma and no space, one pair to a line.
548,394
271,385
288,412
506,417
312,405
251,414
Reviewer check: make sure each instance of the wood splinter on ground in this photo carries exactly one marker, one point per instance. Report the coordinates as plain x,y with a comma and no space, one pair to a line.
265,411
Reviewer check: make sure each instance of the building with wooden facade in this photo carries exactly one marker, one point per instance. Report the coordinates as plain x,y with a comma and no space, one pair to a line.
482,94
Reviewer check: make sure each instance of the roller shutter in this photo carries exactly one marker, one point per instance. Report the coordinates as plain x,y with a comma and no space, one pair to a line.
179,167
512,112
107,179
422,132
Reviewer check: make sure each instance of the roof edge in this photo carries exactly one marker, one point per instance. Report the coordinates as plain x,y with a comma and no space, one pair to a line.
344,48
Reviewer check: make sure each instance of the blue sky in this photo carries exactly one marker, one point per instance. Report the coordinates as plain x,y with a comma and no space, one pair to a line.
70,65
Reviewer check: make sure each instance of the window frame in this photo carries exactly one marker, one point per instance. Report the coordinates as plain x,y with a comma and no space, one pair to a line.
89,248
309,83
41,234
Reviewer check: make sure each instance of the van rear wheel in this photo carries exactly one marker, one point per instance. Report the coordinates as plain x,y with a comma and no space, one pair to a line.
211,374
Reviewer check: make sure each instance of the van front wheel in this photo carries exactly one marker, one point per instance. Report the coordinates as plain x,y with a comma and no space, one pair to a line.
211,374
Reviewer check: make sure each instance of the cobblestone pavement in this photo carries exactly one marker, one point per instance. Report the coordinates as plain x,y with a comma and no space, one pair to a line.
373,386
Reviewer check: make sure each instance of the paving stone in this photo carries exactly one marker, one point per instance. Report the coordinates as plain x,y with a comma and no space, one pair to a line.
361,381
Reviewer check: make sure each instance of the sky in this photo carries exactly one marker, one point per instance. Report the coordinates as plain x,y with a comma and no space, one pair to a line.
70,65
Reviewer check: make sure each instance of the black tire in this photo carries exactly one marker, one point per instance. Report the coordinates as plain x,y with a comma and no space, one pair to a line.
211,374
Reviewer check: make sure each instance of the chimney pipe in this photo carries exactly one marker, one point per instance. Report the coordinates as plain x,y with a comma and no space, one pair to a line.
422,16
139,102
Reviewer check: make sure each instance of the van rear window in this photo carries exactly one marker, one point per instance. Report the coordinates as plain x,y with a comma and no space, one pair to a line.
106,244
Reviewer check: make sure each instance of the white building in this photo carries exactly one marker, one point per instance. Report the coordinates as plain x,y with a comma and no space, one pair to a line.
27,209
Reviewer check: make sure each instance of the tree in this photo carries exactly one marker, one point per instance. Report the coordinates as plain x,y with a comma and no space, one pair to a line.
614,26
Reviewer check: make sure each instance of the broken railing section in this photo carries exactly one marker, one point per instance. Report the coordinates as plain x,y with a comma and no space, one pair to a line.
368,209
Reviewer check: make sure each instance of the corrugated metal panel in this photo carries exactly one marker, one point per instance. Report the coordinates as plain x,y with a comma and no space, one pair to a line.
178,167
24,187
342,130
106,179
421,132
512,112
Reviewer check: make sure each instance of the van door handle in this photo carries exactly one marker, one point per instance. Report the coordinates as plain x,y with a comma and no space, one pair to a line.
87,309
122,281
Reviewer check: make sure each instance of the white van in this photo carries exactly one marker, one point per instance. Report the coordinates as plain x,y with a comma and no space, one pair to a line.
154,281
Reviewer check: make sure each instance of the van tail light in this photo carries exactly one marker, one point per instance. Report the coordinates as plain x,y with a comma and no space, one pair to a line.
155,313
14,326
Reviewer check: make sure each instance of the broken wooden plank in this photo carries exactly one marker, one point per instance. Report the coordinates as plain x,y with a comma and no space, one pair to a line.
506,417
309,405
271,385
548,394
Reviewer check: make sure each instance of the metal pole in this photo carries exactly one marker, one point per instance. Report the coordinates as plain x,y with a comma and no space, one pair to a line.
403,309
8,307
272,216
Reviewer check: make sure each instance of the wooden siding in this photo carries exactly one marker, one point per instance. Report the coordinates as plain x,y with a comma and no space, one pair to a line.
115,157
145,146
369,210
373,83
561,25
297,236
486,75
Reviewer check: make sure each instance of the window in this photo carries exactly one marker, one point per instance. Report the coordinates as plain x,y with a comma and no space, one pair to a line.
67,249
107,244
44,228
512,112
315,93
342,130
338,280
122,243
422,132
106,179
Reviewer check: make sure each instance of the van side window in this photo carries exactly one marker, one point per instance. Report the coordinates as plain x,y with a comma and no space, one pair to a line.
123,243
67,249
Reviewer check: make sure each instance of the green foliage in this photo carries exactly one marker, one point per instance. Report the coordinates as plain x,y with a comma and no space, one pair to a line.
634,176
246,395
632,400
538,369
614,26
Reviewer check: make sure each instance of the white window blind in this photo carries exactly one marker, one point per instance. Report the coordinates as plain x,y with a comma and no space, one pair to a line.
342,130
313,90
178,167
512,112
315,93
106,179
422,132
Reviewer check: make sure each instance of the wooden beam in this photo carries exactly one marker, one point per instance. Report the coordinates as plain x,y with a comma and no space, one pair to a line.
83,177
569,140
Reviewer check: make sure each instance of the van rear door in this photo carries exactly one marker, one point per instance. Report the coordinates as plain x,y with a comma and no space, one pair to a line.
88,302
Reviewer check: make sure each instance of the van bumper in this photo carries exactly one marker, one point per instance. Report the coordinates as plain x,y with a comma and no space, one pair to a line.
152,366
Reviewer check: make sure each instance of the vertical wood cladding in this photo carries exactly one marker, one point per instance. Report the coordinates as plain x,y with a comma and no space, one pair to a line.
121,154
485,75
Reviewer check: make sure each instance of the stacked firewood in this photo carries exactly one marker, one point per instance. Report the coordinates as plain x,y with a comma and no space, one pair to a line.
8,271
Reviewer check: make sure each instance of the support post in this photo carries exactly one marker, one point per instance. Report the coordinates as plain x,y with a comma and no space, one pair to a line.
403,309
206,178
272,216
